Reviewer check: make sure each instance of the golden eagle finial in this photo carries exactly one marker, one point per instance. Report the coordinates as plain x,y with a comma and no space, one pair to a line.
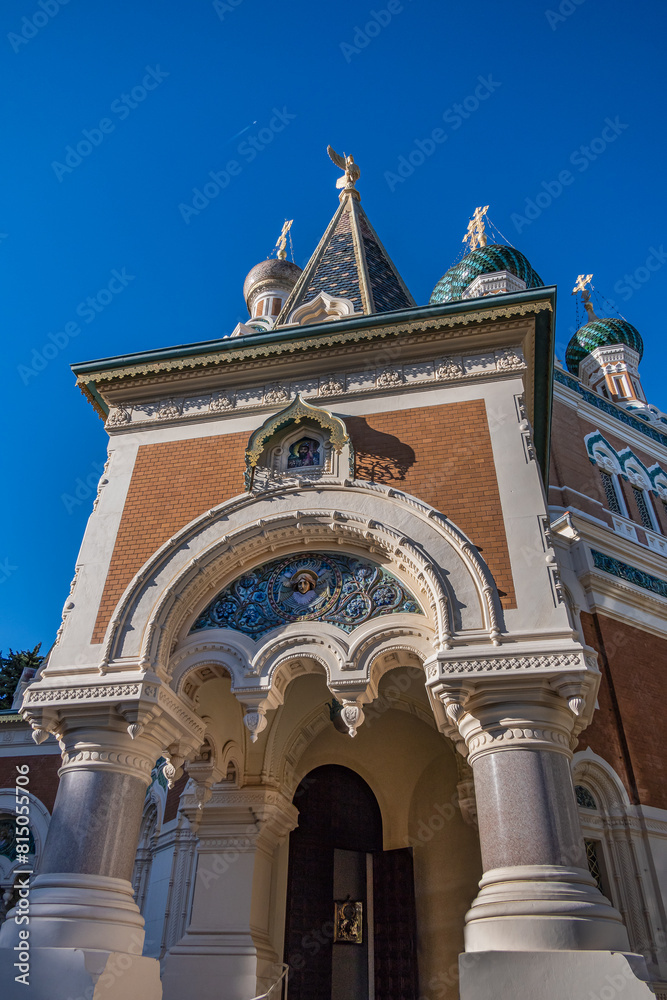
346,163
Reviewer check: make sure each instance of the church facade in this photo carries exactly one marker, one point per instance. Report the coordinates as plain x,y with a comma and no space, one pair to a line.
358,677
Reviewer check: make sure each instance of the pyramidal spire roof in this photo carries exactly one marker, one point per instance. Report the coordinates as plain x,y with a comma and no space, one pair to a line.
351,263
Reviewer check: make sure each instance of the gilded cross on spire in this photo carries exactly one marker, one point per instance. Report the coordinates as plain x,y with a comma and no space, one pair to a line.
475,236
281,242
582,281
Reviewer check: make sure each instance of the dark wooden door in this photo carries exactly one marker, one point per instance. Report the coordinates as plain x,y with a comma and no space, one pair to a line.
395,944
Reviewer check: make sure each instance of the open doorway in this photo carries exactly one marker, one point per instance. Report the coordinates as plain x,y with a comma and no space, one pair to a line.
350,927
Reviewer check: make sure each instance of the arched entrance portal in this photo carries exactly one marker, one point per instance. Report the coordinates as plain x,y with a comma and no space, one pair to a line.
336,952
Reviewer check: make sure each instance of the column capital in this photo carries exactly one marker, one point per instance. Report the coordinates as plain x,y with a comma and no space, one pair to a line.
123,726
537,701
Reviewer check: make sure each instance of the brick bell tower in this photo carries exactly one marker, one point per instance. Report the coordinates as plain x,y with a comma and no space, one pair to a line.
347,485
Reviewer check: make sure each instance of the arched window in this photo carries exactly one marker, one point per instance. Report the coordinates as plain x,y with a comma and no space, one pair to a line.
611,491
615,850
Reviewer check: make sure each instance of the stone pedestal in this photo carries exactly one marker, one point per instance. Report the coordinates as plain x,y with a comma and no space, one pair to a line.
552,975
228,936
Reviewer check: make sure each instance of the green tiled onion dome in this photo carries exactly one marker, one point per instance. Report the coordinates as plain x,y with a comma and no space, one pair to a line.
483,260
601,333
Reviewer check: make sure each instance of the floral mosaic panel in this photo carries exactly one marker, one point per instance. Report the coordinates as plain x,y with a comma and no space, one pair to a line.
313,587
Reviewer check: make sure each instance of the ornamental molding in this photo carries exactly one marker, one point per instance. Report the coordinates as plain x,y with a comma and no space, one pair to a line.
331,338
96,692
368,381
297,411
542,663
113,759
528,737
618,414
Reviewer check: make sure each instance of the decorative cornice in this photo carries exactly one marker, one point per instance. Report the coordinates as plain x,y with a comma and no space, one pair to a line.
266,347
381,380
606,406
609,564
461,665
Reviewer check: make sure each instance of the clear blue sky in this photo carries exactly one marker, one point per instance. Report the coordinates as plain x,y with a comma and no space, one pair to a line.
552,81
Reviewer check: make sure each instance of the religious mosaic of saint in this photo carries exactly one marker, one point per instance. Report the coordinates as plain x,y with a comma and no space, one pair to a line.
304,453
304,588
340,589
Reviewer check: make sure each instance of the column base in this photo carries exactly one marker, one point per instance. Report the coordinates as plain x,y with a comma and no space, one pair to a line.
69,910
552,975
65,973
542,908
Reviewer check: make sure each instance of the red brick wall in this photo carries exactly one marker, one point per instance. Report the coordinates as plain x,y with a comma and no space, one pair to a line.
443,455
43,775
571,467
626,729
172,483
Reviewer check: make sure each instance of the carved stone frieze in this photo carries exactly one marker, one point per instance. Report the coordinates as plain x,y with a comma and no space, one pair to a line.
450,368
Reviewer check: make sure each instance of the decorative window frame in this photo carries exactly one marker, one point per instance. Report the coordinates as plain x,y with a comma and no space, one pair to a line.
617,828
299,418
638,476
605,457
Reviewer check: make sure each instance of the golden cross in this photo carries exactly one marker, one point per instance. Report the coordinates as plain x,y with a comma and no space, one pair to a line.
281,242
475,236
582,281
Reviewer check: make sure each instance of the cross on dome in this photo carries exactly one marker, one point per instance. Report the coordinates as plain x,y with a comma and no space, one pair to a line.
476,236
582,281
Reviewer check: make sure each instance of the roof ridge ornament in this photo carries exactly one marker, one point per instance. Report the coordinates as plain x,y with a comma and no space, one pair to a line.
352,173
476,235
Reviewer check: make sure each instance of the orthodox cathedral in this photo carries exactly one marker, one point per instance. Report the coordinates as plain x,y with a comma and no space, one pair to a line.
355,689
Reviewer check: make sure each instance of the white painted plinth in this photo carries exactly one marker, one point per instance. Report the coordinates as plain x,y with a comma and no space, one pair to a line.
75,974
232,976
552,975
70,910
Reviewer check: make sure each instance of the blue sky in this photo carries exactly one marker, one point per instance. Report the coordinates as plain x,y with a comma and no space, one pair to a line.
155,95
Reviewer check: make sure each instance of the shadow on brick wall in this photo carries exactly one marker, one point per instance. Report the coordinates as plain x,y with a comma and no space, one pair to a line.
379,457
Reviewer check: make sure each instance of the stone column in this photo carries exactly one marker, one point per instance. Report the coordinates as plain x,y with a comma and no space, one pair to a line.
85,929
537,892
228,939
537,899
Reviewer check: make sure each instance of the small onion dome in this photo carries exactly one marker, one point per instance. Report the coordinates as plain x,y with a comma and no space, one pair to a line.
483,260
268,276
601,333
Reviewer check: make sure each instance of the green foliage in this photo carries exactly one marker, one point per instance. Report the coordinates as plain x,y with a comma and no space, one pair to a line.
11,668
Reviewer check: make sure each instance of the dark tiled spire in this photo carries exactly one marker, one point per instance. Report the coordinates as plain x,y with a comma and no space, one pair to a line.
350,263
